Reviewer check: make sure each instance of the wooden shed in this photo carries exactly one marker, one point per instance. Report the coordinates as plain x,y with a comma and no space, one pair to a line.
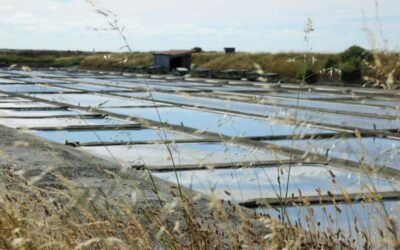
172,59
230,50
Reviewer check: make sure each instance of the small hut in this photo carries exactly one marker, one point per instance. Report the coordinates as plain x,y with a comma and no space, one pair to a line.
172,59
230,50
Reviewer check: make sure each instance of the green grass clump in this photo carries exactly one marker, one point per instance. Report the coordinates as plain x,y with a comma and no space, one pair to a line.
331,62
308,74
356,53
351,71
352,63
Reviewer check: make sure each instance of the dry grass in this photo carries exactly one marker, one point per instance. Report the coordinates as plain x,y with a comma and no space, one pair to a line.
288,65
31,218
42,58
384,71
75,218
117,60
36,219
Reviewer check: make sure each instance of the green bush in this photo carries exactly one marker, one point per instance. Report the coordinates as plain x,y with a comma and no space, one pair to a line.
352,63
356,53
308,74
351,71
330,62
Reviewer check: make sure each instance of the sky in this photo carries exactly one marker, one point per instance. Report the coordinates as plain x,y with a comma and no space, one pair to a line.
248,25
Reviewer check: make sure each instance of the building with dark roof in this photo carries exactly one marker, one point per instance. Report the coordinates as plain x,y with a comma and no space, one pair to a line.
172,59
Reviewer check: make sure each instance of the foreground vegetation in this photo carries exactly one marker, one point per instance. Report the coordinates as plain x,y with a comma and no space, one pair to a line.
70,217
62,207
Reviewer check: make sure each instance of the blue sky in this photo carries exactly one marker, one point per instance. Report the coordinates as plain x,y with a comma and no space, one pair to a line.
249,25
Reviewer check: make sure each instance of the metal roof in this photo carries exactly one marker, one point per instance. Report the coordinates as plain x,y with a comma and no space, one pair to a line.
174,52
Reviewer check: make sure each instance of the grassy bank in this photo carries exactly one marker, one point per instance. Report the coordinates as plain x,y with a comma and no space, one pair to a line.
34,58
288,65
377,68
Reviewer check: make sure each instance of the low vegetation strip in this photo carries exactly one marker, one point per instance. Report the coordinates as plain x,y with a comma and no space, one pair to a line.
41,58
355,65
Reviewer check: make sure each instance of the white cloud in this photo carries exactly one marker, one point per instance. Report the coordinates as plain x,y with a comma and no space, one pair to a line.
158,24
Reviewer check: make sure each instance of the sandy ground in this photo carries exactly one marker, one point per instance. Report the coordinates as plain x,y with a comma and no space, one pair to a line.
39,161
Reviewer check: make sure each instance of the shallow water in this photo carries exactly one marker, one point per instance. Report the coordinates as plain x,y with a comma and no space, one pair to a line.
372,151
111,135
40,113
33,88
19,104
336,106
271,110
91,87
93,100
55,122
244,183
231,125
352,219
203,154
250,183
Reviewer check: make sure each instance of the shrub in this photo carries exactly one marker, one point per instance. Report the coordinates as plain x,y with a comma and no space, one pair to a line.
356,53
351,71
352,66
330,62
308,74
